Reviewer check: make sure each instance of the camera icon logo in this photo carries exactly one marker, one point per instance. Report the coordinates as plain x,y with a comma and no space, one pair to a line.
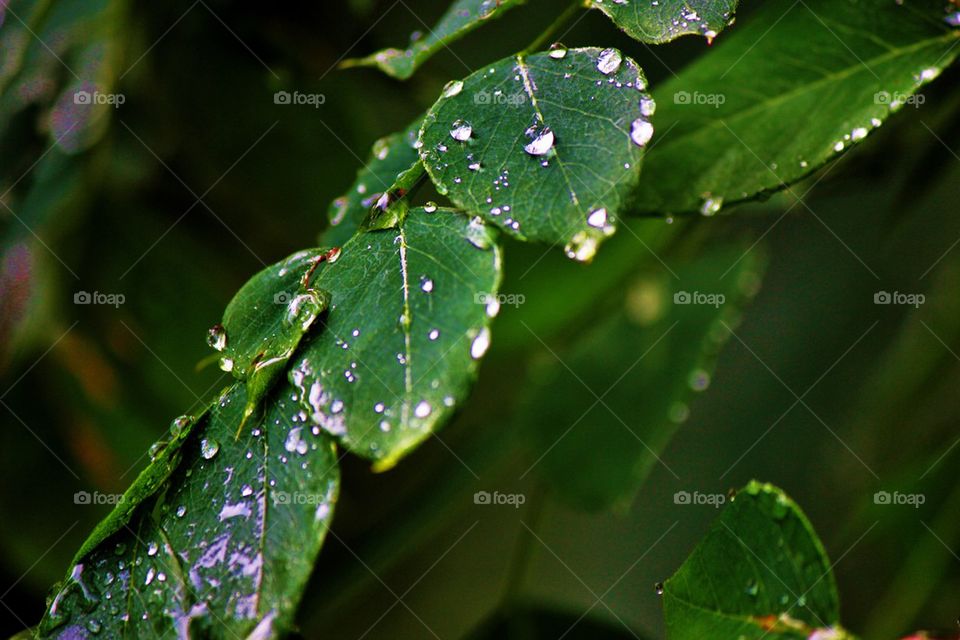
82,97
882,497
281,497
682,97
682,297
482,97
482,497
882,297
82,497
282,97
882,97
282,298
682,497
82,297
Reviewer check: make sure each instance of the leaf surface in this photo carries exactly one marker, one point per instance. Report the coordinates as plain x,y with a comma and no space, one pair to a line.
795,86
226,549
461,18
760,572
666,20
406,327
545,146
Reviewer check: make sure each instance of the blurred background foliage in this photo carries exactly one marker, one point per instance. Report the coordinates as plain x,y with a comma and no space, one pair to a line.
176,197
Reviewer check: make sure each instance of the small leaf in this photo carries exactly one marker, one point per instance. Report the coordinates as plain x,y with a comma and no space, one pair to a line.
390,157
666,20
601,415
214,555
545,146
755,115
760,572
461,18
405,329
265,321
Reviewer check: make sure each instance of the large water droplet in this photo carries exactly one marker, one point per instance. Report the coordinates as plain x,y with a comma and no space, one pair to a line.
461,131
641,132
480,344
217,337
541,140
609,61
209,448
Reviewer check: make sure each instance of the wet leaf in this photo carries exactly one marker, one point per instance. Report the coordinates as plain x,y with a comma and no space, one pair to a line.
389,157
604,411
399,347
545,146
266,320
214,555
760,572
666,20
755,114
461,18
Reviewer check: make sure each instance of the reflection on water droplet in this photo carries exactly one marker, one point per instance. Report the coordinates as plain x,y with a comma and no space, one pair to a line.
658,588
430,207
711,205
452,88
542,140
461,131
582,247
209,448
641,132
609,61
217,337
480,344
557,51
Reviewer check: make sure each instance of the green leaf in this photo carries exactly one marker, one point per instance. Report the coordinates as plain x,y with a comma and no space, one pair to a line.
545,146
389,157
756,114
265,321
659,22
406,326
760,572
602,413
461,18
226,550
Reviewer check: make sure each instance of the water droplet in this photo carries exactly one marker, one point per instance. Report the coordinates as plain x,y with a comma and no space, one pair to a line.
641,132
541,140
434,334
152,549
303,309
461,131
179,425
597,218
217,337
430,207
582,247
648,106
209,448
181,511
609,61
452,88
752,588
423,409
480,344
426,284
226,364
557,51
477,233
658,588
711,205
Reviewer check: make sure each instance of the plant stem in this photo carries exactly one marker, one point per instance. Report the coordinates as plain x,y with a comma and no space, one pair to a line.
551,31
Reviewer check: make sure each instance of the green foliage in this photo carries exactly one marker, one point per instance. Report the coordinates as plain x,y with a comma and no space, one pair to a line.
730,141
544,146
373,343
760,572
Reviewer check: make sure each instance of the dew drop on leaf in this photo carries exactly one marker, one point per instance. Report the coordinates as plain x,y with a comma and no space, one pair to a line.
217,337
609,61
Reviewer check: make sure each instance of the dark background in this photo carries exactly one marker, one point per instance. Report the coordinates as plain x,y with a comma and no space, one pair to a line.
86,389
